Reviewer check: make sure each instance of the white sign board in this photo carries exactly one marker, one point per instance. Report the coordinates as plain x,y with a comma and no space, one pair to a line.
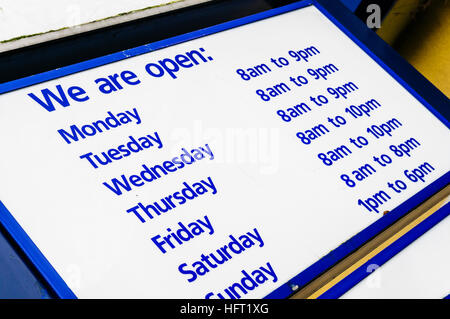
217,167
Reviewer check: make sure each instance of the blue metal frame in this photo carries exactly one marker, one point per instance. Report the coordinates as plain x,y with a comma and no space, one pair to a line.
352,4
34,254
360,273
390,61
358,240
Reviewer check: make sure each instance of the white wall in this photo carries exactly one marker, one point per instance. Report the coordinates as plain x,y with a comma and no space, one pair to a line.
419,271
25,17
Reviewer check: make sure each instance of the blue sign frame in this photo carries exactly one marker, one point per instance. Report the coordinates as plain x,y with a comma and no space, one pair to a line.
369,42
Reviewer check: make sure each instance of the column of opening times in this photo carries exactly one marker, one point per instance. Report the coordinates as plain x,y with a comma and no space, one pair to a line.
355,109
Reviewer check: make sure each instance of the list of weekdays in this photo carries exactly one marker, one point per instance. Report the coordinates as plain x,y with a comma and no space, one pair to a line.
216,168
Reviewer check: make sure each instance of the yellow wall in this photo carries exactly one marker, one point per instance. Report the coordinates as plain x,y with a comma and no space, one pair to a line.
425,41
